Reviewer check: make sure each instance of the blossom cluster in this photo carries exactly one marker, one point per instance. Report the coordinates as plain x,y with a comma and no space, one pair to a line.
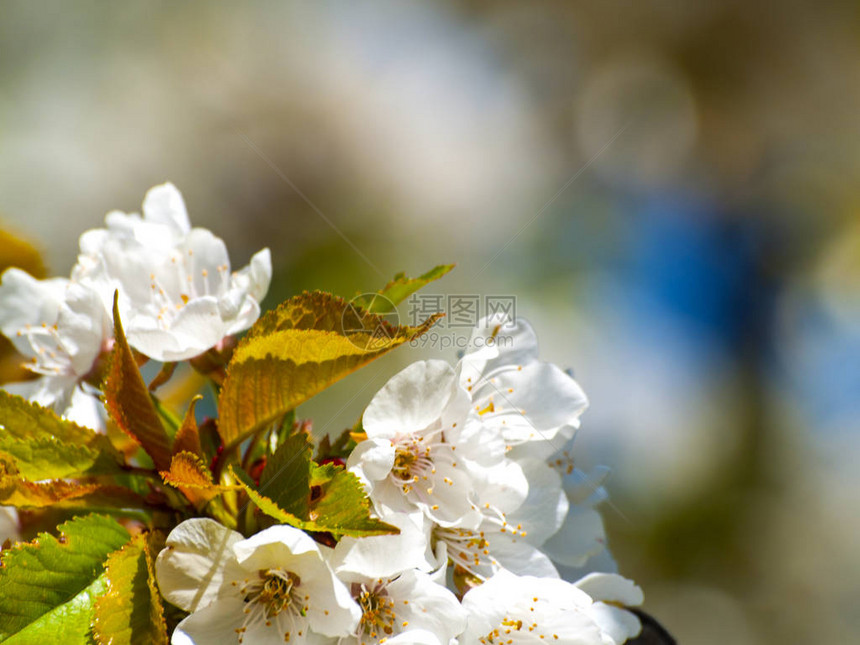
176,294
472,464
494,531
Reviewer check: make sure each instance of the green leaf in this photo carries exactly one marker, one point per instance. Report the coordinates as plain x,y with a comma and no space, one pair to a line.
129,403
295,352
399,289
131,613
343,507
286,476
44,446
49,586
262,502
296,491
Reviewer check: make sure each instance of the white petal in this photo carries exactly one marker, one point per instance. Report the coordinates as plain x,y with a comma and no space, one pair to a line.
265,547
546,606
196,328
580,537
430,606
520,557
53,392
546,507
374,458
586,489
515,344
164,205
83,326
254,279
383,556
212,625
86,410
411,401
612,588
197,565
532,403
27,301
618,625
504,486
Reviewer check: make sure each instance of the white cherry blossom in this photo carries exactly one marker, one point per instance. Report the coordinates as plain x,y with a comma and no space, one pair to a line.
534,405
500,536
392,579
177,295
581,536
274,587
608,591
409,608
62,328
422,451
526,609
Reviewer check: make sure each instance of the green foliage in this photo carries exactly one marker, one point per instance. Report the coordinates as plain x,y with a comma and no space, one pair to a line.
131,612
399,289
296,491
49,586
95,583
296,351
286,477
41,445
129,403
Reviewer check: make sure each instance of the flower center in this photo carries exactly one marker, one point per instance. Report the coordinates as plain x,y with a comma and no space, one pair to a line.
377,612
412,462
469,550
274,597
502,634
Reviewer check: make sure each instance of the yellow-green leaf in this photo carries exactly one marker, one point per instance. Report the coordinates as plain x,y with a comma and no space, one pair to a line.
48,587
131,613
343,507
295,352
399,289
286,477
325,498
17,491
262,502
44,446
129,403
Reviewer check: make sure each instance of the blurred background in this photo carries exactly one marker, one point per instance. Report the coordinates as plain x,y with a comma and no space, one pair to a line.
669,190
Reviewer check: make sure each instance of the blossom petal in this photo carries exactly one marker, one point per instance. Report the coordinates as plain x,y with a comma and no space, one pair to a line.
213,625
430,606
580,537
383,556
411,401
612,588
24,300
372,459
163,204
197,565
